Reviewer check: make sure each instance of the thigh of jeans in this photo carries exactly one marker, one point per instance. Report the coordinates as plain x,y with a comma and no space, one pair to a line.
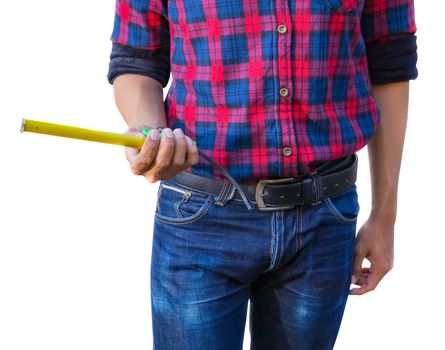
300,304
203,260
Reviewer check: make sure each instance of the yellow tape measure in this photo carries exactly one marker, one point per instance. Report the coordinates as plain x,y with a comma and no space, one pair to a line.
82,133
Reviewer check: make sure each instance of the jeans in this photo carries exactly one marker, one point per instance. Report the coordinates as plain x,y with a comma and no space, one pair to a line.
209,261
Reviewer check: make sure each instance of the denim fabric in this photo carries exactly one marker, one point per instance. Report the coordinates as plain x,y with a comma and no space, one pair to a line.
208,261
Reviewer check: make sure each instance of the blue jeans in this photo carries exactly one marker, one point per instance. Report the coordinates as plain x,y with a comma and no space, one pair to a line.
208,261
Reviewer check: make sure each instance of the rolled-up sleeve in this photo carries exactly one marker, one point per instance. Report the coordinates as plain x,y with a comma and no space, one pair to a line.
388,28
140,40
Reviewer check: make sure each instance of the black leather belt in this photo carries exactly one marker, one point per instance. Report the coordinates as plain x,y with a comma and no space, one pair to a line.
330,179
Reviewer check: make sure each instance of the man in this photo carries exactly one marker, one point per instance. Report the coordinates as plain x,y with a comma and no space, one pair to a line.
279,97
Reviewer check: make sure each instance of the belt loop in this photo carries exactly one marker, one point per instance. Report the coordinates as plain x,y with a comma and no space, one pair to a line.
228,176
226,193
317,188
232,193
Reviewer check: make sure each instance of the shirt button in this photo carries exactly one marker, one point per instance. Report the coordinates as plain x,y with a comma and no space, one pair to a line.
284,92
282,29
287,151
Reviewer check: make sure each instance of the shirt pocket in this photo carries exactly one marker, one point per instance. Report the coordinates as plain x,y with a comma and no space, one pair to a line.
340,6
177,204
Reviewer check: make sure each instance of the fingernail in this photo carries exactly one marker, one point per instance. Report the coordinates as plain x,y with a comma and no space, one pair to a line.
189,141
353,279
168,132
178,133
154,134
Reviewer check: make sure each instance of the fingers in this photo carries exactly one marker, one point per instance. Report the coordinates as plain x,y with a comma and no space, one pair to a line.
182,154
366,284
362,280
360,275
163,157
192,152
358,262
142,160
375,243
368,279
180,151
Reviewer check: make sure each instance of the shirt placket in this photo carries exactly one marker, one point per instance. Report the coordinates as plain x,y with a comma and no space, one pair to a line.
285,88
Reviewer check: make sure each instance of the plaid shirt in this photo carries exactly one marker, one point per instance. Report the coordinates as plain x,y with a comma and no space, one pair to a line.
268,88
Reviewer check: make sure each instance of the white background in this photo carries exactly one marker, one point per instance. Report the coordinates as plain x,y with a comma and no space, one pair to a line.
75,223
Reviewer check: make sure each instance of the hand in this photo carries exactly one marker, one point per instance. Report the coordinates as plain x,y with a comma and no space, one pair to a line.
375,242
161,158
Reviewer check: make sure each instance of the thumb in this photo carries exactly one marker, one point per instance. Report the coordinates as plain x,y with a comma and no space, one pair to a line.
131,152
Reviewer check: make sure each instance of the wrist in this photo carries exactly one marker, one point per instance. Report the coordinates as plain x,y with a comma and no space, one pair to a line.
385,214
384,204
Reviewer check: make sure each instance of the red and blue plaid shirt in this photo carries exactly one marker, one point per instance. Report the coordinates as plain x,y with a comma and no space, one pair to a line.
268,89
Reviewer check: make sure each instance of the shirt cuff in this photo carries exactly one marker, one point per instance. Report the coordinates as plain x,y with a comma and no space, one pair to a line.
392,60
126,59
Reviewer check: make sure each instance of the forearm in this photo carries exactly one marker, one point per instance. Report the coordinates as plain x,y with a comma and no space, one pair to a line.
386,147
140,100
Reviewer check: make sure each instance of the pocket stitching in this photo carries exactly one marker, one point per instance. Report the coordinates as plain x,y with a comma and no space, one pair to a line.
182,221
336,213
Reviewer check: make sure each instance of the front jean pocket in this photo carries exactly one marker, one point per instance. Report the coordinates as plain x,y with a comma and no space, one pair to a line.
340,6
178,204
344,207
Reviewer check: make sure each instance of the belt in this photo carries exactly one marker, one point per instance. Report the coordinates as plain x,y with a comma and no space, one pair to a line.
330,179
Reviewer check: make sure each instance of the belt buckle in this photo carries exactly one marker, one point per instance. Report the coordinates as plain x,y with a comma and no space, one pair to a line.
259,194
